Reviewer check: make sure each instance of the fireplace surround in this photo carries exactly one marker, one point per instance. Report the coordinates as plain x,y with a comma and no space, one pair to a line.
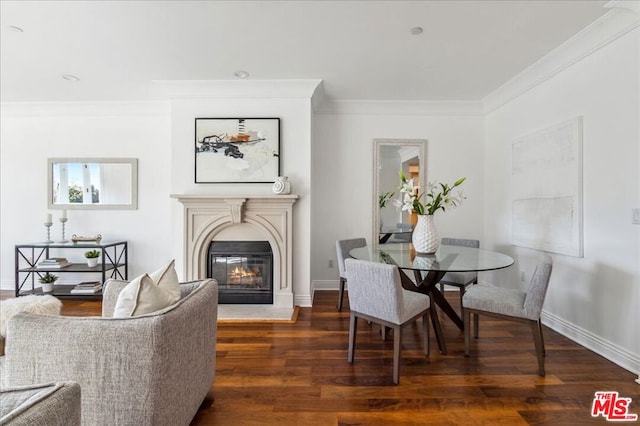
267,218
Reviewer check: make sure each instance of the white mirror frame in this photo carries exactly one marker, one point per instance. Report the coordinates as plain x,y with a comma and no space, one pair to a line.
133,162
421,145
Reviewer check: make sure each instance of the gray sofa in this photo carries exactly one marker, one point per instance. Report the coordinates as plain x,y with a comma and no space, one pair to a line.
53,404
154,369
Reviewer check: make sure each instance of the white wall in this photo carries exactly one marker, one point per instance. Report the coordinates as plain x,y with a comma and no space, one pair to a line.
342,182
295,158
31,133
596,299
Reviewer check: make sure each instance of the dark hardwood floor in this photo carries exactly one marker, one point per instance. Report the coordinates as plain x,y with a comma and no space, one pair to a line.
298,374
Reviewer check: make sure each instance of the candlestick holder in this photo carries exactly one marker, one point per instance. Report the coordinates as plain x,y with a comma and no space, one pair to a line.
48,225
63,220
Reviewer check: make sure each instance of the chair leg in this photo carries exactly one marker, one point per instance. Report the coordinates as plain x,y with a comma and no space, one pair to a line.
467,330
537,338
397,334
544,351
341,293
425,329
476,325
383,333
352,336
461,296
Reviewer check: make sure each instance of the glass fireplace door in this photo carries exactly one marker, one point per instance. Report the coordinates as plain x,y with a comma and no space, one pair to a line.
243,269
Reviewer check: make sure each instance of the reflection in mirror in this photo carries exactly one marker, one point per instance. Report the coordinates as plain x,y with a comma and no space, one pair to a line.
92,183
390,157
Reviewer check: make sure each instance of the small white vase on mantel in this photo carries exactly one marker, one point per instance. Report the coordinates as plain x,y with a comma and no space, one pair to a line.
281,186
425,236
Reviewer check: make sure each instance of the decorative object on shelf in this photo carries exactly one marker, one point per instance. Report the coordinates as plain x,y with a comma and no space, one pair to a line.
92,257
237,150
438,196
281,186
47,281
54,262
63,220
48,224
80,239
87,287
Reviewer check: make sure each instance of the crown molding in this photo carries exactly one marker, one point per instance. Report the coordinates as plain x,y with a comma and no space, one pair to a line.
455,108
58,109
620,20
233,89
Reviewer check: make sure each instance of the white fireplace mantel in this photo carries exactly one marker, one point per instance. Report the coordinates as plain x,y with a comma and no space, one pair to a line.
206,216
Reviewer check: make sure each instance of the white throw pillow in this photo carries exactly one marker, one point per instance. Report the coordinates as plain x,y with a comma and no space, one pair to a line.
149,293
167,279
141,296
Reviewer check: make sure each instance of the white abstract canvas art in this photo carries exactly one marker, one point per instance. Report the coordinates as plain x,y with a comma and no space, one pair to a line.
546,184
237,150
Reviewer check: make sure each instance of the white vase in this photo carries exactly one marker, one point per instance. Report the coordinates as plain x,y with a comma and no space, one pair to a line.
281,186
425,236
92,261
47,287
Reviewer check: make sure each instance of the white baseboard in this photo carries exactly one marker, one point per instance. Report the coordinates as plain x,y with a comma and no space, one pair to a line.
611,351
305,301
318,285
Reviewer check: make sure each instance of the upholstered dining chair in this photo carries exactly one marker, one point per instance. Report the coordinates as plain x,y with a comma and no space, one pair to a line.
376,295
511,304
342,250
459,279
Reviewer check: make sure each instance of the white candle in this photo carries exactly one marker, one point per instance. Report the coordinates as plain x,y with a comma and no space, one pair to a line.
48,218
64,214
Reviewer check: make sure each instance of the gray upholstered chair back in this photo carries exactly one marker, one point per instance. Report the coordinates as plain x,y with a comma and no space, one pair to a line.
537,290
461,242
375,289
342,250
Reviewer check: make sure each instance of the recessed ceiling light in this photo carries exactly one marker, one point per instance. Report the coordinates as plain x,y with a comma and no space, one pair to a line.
416,30
241,74
70,77
15,29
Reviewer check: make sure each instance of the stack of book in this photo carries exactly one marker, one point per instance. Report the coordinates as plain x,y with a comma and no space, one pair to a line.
87,287
54,262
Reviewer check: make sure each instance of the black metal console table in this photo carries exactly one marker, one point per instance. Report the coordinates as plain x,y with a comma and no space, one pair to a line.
113,264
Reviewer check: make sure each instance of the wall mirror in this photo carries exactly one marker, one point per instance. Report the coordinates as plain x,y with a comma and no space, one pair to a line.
390,157
92,183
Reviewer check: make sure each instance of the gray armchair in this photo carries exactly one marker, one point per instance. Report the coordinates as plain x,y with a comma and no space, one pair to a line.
376,295
342,251
515,305
153,369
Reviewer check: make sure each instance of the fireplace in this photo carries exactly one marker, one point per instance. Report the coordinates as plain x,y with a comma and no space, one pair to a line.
244,271
220,218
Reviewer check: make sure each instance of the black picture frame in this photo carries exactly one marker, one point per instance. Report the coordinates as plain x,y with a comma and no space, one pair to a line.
237,150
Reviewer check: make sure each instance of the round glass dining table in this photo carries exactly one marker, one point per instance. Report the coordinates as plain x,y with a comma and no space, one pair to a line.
428,270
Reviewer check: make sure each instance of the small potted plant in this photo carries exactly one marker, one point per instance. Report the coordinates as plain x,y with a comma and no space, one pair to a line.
92,257
47,281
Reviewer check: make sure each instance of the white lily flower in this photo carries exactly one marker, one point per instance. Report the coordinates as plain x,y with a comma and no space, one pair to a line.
408,187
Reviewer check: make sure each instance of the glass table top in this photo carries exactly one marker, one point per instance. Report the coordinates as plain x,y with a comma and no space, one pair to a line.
446,258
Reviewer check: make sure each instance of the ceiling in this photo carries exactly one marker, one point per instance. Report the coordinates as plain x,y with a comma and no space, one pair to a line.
362,50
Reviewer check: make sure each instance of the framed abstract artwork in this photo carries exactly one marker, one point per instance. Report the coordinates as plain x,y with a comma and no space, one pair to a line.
237,150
